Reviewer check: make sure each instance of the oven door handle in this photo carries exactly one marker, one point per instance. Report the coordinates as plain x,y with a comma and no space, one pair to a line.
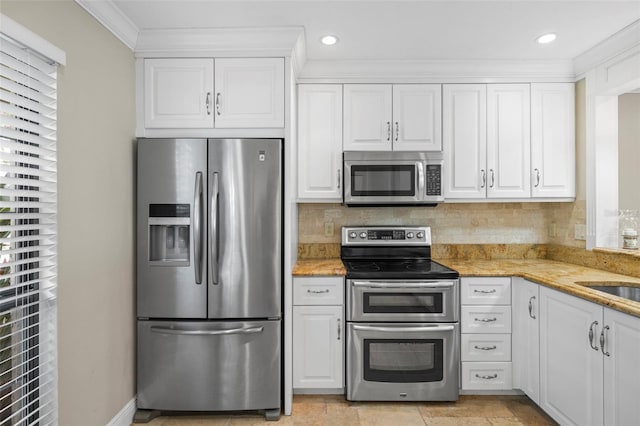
395,286
421,329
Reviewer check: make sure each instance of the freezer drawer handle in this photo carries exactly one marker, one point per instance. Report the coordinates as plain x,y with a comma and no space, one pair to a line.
318,291
403,329
372,284
249,330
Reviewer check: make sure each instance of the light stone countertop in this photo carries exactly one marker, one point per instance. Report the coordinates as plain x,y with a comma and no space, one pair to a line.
559,275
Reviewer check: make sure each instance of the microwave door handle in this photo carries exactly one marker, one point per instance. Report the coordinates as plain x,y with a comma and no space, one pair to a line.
197,228
421,329
421,182
395,286
213,228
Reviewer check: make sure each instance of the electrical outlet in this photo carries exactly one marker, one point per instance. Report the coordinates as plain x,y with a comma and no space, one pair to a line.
328,229
580,231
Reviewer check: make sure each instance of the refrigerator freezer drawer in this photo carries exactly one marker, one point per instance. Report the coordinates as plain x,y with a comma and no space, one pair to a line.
208,366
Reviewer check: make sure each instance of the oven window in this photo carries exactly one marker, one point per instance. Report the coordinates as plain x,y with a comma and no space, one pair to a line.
402,303
403,360
383,180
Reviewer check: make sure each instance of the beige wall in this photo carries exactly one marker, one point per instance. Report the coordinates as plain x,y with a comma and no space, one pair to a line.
629,151
96,123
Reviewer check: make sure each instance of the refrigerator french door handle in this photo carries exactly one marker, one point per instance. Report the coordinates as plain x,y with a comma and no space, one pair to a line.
197,228
248,330
213,228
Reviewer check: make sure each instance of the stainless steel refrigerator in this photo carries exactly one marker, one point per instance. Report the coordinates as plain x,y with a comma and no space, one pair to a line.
209,274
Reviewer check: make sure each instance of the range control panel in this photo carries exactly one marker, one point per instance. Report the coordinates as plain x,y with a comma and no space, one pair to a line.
386,235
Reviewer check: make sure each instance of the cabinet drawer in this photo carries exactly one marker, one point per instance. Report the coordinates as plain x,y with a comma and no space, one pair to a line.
485,291
486,375
486,347
485,319
318,291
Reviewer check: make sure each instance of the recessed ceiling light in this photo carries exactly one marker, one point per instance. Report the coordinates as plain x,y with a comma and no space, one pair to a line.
546,38
329,40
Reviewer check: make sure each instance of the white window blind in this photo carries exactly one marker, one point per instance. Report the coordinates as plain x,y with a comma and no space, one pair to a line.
28,242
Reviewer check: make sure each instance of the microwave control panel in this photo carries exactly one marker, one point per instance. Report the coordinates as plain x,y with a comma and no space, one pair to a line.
434,180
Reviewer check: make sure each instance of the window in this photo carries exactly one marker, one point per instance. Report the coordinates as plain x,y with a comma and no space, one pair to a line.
28,241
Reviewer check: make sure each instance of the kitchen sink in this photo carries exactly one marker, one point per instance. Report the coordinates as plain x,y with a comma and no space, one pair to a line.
628,291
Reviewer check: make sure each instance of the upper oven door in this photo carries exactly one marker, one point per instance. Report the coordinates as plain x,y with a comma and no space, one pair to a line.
384,182
402,301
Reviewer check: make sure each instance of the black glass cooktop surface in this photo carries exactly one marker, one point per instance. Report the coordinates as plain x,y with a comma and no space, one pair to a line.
398,269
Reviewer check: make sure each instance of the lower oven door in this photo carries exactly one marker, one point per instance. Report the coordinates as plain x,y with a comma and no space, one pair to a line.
402,362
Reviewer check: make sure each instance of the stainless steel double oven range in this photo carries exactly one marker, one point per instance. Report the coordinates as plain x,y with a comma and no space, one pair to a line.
402,317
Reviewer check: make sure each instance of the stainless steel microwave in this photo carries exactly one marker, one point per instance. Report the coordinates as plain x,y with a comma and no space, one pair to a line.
393,178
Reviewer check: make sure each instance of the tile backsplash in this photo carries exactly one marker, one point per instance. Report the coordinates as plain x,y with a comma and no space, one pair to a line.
465,223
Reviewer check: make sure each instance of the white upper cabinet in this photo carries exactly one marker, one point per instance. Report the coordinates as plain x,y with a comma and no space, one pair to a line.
464,132
367,117
417,117
384,117
508,141
249,93
553,140
320,142
193,93
177,93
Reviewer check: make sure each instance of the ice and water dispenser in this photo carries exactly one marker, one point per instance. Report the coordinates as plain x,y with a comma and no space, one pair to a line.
169,234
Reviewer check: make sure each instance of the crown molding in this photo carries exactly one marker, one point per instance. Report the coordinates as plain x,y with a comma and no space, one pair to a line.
112,18
623,40
219,42
436,71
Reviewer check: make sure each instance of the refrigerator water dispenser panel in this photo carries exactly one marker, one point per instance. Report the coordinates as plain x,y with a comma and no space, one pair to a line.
169,234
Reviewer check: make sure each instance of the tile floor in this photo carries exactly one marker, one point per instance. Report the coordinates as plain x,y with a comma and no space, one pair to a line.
333,410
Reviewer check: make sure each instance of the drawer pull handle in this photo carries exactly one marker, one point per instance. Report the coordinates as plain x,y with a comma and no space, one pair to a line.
485,319
318,291
494,376
486,348
493,290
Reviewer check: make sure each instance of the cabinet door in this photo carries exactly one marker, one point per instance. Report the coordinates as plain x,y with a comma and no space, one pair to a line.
318,346
508,141
464,135
249,93
417,117
320,142
367,117
553,140
177,93
571,371
621,371
526,337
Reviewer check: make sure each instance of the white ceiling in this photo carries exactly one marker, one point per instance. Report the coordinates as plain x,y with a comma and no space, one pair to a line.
407,29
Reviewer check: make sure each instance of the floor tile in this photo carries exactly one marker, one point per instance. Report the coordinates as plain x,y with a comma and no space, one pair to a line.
457,421
405,415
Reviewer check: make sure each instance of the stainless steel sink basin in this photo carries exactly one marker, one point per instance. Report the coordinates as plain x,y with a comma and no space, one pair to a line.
626,291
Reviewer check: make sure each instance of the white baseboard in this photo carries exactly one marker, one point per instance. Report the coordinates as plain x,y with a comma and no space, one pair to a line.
125,416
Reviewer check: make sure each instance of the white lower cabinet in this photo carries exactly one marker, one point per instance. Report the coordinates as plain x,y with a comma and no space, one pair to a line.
621,368
571,366
526,337
485,324
589,354
318,333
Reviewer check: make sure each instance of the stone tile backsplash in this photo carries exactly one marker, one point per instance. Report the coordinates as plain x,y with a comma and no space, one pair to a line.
465,223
